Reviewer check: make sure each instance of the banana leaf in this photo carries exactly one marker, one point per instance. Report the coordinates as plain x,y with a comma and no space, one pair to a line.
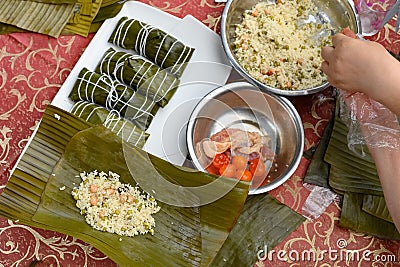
349,172
108,9
139,73
376,205
125,129
250,238
318,170
160,47
354,218
101,89
38,17
55,1
82,18
72,144
8,28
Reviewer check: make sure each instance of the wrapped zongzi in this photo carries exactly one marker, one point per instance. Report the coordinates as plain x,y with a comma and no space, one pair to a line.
96,114
139,73
153,43
114,96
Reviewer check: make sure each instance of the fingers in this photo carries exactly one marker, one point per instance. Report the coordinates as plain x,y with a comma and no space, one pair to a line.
325,67
327,53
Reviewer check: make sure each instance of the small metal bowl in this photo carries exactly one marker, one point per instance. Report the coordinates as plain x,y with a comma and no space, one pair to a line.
338,13
242,105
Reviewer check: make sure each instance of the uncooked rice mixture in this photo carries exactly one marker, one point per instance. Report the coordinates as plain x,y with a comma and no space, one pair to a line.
276,48
111,206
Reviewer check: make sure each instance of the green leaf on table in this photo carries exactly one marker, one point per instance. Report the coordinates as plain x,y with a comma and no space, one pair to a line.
65,145
354,218
7,28
318,169
264,222
350,172
81,20
108,9
46,18
376,205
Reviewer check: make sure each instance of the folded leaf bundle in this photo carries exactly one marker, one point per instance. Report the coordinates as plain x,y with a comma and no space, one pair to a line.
141,74
153,43
114,96
123,128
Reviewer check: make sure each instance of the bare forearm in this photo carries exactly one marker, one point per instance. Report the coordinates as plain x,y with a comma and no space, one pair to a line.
386,89
387,163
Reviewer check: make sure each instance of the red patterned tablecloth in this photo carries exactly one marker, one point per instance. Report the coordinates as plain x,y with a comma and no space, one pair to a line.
33,68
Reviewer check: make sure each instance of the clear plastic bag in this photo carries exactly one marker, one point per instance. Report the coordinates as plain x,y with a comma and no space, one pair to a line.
317,201
370,123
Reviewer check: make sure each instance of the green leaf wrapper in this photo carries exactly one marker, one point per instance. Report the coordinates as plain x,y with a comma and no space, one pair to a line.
101,89
125,129
160,47
139,73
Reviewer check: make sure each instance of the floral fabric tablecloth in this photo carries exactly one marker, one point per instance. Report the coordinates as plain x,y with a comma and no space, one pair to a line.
32,69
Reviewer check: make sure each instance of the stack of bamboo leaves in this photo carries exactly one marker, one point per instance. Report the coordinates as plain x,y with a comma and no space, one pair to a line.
353,175
55,17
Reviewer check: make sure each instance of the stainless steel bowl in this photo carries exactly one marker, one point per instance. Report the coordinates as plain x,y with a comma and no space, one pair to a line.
339,13
242,105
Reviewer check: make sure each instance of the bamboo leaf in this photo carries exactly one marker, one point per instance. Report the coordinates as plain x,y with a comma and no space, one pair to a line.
101,89
140,74
125,129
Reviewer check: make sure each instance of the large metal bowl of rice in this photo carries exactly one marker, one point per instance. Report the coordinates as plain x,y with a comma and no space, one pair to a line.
276,45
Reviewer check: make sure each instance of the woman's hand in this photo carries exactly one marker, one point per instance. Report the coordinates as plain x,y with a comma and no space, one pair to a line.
353,64
363,66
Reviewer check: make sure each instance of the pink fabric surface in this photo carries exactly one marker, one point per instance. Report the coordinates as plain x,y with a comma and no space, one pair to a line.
33,68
